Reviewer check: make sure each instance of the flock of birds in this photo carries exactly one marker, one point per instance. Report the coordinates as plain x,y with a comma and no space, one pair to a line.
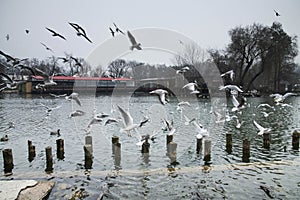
47,78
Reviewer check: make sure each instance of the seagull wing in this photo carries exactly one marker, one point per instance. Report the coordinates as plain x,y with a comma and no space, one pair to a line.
131,38
7,77
289,94
260,128
128,121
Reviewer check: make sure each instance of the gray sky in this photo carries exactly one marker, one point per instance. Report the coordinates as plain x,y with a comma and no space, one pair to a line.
205,22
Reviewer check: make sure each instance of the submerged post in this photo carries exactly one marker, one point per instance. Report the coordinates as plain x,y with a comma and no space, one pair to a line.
8,161
88,156
49,159
117,155
229,143
199,146
295,140
246,151
207,150
60,150
266,140
31,151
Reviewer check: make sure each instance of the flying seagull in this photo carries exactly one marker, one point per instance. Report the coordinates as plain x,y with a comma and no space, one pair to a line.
278,98
182,70
118,29
230,73
112,32
134,44
7,37
192,87
162,95
231,87
261,129
128,121
47,48
80,31
27,31
55,34
276,13
75,97
14,61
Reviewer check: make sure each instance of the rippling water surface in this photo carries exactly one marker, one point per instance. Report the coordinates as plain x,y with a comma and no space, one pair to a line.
154,177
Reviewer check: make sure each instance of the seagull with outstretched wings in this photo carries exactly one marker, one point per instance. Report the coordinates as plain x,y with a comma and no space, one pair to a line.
134,44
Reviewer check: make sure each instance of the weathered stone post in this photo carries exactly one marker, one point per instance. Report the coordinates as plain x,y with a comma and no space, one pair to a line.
246,151
60,150
229,143
31,151
88,156
295,140
199,146
207,150
8,161
266,140
171,152
49,159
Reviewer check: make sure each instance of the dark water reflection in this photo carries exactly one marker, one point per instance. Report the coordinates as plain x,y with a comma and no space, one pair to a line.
32,122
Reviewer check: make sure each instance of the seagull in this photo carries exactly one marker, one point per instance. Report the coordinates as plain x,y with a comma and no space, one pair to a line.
76,113
276,13
65,60
110,120
181,104
237,105
192,87
182,70
128,121
118,29
278,98
261,129
162,95
47,48
230,87
58,96
95,120
201,132
188,121
4,138
80,31
7,37
266,114
55,132
76,61
75,97
12,85
134,44
27,31
238,123
48,80
14,61
112,32
265,105
230,73
55,34
144,138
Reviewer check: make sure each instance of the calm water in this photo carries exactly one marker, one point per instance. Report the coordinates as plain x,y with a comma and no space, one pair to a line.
150,177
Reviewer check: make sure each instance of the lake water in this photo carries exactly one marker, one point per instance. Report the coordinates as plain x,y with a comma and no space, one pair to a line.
154,177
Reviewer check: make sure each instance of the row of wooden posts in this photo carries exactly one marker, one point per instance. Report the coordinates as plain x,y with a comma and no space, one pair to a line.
116,150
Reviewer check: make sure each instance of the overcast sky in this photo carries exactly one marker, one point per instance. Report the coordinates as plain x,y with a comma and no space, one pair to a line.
205,22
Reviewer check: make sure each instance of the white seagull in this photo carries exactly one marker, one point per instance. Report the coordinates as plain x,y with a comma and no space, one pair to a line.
238,123
278,98
134,44
230,87
128,121
230,73
75,97
192,87
162,95
261,129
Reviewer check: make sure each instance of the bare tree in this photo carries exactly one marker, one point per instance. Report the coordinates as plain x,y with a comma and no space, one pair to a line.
191,55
